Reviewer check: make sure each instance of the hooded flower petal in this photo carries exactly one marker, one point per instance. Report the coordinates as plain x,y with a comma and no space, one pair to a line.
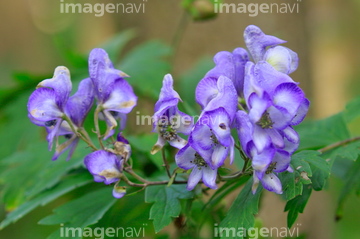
122,98
103,74
60,83
282,59
104,166
79,105
230,65
257,42
42,105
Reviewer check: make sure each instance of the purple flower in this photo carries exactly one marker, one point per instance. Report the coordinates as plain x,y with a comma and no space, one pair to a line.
213,93
231,65
264,48
168,119
115,96
105,167
50,104
275,103
187,158
211,137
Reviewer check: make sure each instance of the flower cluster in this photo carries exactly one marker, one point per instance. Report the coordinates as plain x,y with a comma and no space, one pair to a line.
52,107
260,100
248,92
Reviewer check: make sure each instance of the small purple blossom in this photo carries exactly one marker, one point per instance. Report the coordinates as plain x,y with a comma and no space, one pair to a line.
50,104
168,119
115,96
187,158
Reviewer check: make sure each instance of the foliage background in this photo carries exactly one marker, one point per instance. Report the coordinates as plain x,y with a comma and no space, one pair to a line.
36,38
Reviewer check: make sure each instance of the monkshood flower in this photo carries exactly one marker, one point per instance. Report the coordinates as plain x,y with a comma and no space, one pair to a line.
266,164
211,137
275,104
213,93
115,97
50,104
168,119
187,158
105,167
231,65
265,48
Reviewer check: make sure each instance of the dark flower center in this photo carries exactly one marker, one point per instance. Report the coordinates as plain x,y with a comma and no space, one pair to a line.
199,161
167,130
265,121
50,123
271,167
68,136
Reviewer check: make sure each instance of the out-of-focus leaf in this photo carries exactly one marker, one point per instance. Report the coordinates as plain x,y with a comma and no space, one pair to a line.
116,44
317,134
352,111
297,205
28,173
189,80
147,65
81,212
68,184
242,212
352,182
166,203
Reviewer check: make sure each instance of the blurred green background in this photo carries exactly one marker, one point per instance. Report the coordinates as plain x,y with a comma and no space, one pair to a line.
36,37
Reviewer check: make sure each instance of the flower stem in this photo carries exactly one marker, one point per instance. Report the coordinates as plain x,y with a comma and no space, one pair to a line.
80,132
96,123
166,165
338,144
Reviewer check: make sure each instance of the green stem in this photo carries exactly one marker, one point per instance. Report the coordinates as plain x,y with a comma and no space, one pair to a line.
80,132
96,123
166,165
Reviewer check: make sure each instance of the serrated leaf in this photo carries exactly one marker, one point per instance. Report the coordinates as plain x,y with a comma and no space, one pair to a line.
166,203
68,184
297,205
83,211
147,67
320,169
317,134
242,211
291,184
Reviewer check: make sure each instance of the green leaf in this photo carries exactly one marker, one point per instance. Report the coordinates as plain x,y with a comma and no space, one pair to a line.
319,169
242,211
68,184
147,66
291,183
352,183
225,189
297,205
83,211
166,203
351,111
317,134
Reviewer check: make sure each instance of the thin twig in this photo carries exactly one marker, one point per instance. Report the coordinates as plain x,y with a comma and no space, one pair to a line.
338,144
166,164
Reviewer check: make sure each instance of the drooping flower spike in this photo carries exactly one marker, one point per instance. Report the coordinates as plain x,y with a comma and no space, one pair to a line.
168,119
